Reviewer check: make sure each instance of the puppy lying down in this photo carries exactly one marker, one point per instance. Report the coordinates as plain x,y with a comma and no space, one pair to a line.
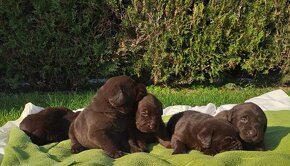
191,130
149,126
251,122
49,125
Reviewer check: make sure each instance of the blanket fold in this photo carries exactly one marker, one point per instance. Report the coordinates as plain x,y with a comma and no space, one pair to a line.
21,151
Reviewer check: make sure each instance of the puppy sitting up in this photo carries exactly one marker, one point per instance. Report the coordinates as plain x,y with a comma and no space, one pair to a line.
191,130
149,126
49,125
103,122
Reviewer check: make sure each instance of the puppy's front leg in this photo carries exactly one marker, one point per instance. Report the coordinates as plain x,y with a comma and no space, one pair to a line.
76,147
137,145
102,140
178,146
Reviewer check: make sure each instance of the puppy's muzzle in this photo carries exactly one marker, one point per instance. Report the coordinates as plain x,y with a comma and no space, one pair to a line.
251,133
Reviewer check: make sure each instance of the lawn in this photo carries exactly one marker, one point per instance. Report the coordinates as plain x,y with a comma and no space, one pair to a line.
12,104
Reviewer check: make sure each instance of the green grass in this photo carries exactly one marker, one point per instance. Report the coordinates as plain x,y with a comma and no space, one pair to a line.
12,104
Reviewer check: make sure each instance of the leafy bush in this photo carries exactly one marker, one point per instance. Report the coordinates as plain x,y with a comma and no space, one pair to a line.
186,41
61,44
56,44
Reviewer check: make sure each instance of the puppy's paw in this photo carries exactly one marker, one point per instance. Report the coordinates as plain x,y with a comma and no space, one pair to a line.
142,145
77,148
211,152
116,154
135,149
166,144
179,151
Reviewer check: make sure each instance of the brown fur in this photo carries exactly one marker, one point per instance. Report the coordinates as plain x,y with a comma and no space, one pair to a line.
149,127
103,122
251,122
49,125
194,130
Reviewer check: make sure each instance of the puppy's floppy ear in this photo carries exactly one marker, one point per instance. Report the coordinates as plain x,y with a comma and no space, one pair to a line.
204,136
225,115
118,100
141,91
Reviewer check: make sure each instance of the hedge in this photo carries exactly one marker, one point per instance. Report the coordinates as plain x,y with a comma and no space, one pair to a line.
56,44
61,44
185,41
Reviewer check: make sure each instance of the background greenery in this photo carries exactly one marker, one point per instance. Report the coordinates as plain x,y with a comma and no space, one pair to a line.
62,44
55,44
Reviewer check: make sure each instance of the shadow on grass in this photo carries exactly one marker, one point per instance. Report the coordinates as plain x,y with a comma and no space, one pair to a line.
274,135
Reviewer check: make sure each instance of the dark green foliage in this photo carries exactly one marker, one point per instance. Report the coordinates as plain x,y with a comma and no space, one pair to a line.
181,42
61,44
55,44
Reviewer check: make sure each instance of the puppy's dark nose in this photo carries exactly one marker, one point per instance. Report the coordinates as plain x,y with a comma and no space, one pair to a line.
151,126
252,133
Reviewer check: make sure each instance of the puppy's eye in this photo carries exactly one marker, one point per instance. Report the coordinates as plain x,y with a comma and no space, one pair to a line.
244,120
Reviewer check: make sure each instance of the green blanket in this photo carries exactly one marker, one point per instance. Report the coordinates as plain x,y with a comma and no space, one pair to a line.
20,151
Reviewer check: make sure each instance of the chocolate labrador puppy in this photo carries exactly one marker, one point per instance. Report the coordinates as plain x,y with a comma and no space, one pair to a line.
251,122
149,126
102,123
194,130
49,125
